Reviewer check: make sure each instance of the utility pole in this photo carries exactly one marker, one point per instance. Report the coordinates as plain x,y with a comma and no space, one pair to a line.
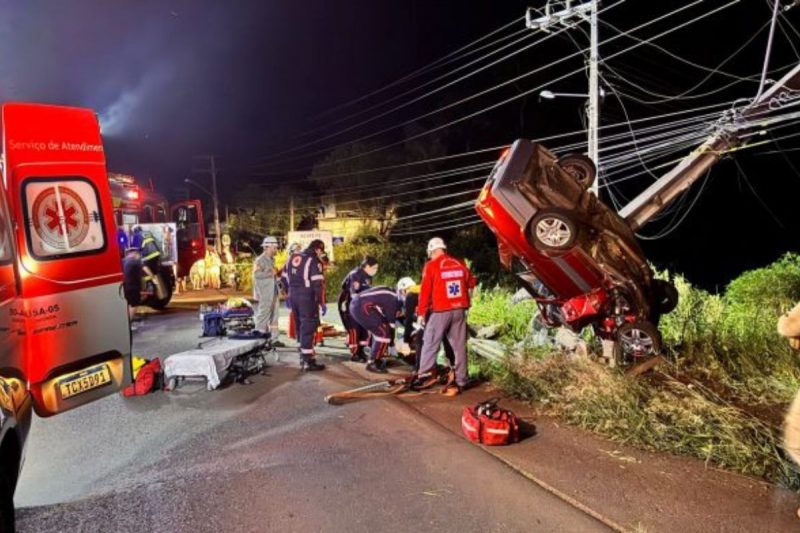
212,170
563,13
728,136
291,213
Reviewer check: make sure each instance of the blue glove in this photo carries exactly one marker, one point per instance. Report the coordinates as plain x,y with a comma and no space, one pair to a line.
323,309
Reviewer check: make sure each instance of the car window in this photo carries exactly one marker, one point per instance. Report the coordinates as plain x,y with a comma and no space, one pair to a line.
62,217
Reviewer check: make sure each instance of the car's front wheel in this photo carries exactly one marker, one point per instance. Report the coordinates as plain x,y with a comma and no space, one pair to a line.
580,167
552,230
637,341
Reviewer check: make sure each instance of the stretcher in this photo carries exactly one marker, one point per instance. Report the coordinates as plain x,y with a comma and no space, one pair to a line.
215,359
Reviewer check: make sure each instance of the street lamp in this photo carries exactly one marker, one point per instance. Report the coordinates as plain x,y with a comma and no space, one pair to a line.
213,196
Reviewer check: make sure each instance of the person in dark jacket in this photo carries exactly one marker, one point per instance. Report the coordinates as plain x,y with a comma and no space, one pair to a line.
357,280
376,311
306,283
132,279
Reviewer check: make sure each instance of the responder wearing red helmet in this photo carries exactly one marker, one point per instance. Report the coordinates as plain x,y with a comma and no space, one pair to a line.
442,309
306,289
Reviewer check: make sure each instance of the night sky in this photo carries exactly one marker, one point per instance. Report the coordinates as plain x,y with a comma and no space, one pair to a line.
242,79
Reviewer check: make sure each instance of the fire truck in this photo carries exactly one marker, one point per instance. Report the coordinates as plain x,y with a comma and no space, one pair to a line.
142,206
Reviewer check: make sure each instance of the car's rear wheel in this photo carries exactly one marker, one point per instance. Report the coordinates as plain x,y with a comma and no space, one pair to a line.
580,167
666,296
552,230
637,341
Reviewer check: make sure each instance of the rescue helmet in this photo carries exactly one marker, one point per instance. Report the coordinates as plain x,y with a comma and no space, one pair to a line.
436,244
137,229
295,247
405,283
316,244
269,240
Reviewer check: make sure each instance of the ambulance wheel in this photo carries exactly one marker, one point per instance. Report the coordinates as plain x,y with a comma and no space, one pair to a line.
552,230
580,167
635,342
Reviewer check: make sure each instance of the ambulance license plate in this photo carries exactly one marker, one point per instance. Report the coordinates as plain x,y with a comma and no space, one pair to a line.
85,380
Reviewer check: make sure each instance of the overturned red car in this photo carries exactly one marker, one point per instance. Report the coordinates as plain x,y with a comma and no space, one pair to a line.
578,259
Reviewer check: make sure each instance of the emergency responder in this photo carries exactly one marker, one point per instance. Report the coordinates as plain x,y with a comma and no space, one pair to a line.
151,259
293,249
376,311
305,291
265,289
357,280
443,303
408,295
132,279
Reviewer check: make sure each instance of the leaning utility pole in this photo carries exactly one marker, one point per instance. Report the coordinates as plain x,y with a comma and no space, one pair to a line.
212,170
566,16
728,136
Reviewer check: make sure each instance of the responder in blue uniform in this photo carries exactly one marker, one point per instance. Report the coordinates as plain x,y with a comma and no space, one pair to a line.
306,283
357,280
376,311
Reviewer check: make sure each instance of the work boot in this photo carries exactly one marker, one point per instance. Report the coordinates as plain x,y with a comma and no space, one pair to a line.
311,366
358,357
376,368
451,391
425,381
278,344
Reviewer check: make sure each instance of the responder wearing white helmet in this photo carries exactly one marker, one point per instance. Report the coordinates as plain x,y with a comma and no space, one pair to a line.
265,289
436,244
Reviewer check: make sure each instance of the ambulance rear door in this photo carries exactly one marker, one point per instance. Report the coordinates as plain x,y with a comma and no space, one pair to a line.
76,331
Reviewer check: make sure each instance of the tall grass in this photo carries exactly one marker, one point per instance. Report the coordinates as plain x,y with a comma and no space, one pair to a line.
720,398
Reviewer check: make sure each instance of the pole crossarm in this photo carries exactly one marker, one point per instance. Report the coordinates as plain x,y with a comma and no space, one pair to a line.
729,134
565,15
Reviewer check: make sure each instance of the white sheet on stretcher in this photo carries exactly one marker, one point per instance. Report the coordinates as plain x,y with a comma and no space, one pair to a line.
210,361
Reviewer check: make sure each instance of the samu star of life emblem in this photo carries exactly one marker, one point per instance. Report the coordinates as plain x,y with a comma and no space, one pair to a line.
60,218
454,289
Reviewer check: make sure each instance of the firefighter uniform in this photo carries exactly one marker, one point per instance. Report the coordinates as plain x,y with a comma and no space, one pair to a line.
151,260
355,282
306,280
444,300
376,311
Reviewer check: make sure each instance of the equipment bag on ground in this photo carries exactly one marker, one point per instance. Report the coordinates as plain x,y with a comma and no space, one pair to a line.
490,425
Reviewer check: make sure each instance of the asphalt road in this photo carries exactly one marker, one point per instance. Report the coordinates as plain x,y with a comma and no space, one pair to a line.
270,456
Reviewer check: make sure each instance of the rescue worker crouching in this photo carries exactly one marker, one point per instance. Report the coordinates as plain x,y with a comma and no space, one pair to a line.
408,295
376,310
442,310
357,280
265,289
306,282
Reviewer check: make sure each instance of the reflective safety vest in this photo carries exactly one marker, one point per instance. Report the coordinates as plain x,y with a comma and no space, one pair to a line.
149,248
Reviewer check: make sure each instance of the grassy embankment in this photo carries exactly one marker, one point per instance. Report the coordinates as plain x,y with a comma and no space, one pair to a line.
721,398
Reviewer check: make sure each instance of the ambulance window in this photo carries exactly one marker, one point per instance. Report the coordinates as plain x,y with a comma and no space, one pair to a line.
62,217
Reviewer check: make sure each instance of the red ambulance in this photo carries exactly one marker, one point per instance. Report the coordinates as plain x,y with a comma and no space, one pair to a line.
64,331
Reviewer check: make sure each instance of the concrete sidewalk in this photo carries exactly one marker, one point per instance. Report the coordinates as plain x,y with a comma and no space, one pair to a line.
628,489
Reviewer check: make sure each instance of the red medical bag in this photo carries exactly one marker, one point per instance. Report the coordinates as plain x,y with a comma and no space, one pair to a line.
490,425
